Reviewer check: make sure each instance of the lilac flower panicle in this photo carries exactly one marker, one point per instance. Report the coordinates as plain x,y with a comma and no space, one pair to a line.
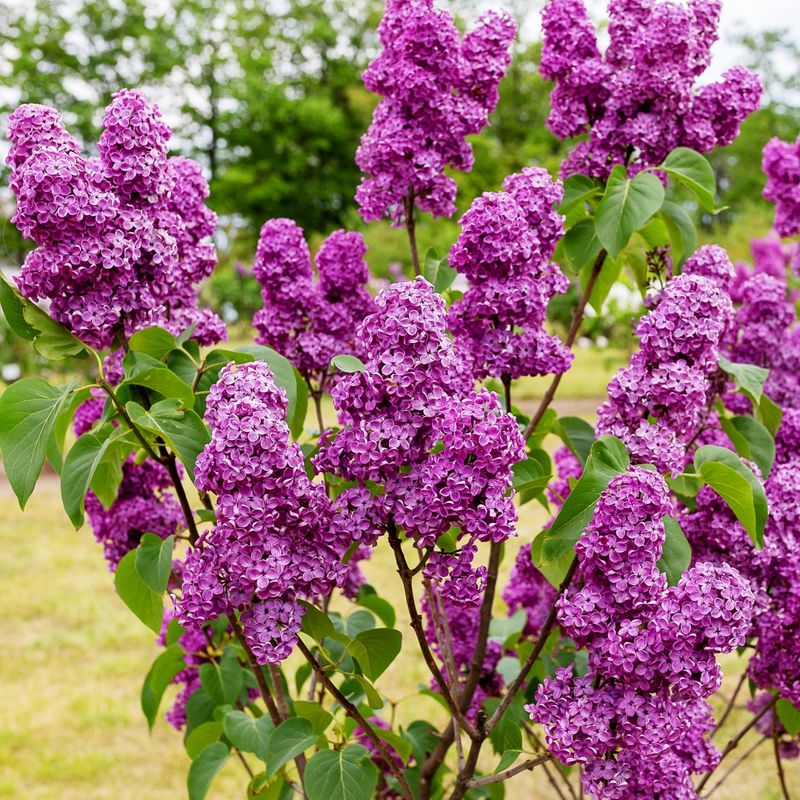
310,322
442,453
639,100
436,89
657,403
271,545
638,721
506,242
123,239
781,164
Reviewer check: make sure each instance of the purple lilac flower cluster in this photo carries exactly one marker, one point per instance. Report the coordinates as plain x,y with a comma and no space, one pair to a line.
310,322
667,380
122,239
271,545
143,505
436,89
637,721
441,453
506,243
781,164
638,101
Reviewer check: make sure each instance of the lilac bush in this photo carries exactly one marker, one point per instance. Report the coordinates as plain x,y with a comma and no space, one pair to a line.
240,530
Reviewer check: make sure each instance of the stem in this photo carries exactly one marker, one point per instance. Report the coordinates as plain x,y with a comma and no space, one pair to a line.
548,626
731,703
572,335
416,625
525,766
411,230
506,381
260,679
778,762
107,388
463,779
484,620
172,468
735,764
732,744
355,714
244,762
277,685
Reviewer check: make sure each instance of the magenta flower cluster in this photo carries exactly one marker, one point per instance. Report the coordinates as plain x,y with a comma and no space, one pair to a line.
638,100
272,543
637,721
440,453
122,239
506,243
781,164
310,322
656,403
436,88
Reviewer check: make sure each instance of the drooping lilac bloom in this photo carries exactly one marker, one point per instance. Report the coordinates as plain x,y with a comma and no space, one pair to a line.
441,452
122,240
667,380
506,243
436,89
637,722
271,545
639,99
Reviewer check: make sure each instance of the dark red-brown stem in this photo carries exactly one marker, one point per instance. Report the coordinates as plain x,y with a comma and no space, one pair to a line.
525,766
544,634
411,227
572,335
263,686
731,703
355,714
419,630
776,748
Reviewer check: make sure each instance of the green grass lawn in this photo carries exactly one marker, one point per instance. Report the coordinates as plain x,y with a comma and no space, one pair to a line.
70,724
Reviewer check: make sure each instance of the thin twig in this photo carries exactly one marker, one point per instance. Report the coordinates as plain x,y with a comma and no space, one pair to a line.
525,766
538,744
572,335
355,714
735,764
411,230
244,762
731,703
544,634
260,679
776,748
444,637
733,743
417,626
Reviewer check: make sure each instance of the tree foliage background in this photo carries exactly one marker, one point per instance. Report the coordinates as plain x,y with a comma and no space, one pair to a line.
267,95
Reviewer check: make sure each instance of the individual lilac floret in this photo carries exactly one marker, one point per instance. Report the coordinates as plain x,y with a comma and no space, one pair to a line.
142,506
442,453
638,721
506,242
781,163
310,322
656,403
271,545
123,239
639,100
436,90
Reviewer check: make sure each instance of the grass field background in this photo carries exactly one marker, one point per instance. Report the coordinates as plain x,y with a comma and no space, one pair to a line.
74,659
